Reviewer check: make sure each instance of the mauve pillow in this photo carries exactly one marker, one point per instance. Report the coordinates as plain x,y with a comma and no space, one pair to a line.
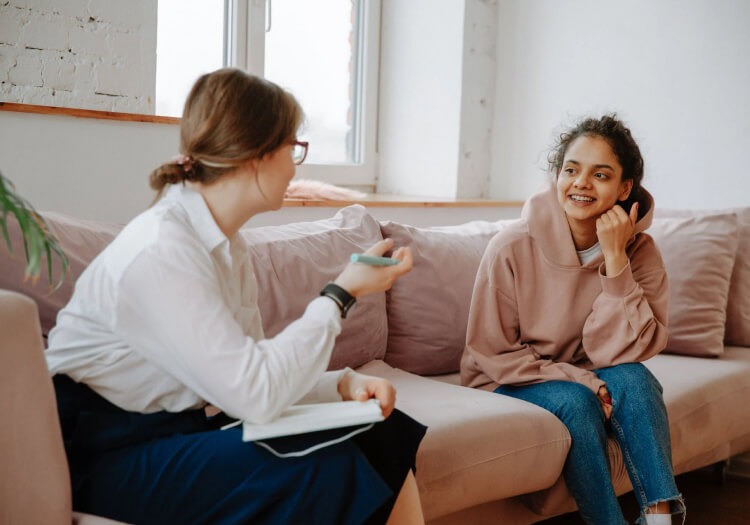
738,303
428,308
699,253
81,241
293,262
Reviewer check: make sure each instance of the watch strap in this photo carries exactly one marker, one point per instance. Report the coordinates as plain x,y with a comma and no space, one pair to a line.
343,299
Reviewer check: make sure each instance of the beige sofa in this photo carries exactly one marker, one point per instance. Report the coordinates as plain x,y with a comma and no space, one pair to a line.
485,458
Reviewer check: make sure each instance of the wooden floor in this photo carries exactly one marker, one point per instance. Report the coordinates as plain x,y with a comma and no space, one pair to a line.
708,501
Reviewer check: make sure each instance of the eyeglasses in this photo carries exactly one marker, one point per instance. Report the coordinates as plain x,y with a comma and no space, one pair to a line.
299,151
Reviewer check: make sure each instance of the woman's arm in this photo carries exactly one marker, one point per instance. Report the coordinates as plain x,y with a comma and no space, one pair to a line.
173,312
628,322
175,316
493,340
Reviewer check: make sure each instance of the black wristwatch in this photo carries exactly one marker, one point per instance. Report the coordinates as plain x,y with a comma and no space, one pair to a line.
343,299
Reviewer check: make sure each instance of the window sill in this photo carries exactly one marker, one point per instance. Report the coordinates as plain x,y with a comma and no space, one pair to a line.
87,113
385,200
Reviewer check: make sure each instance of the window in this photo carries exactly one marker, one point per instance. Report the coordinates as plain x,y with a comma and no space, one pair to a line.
180,56
324,52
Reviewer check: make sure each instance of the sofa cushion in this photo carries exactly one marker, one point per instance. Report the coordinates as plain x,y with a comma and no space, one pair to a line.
699,253
294,261
81,240
738,302
705,400
34,478
479,446
428,308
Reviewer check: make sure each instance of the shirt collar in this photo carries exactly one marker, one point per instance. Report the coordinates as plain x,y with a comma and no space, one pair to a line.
198,214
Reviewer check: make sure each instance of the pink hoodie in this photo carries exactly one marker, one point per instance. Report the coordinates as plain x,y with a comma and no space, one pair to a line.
538,315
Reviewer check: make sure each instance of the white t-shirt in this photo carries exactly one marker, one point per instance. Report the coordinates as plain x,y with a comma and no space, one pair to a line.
166,318
589,254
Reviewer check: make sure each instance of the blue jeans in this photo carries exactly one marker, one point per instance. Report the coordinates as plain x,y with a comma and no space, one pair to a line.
638,423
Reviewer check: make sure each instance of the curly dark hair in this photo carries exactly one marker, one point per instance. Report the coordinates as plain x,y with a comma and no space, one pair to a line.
624,146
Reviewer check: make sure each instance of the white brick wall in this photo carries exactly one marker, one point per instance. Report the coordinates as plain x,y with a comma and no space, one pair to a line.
27,71
91,54
41,33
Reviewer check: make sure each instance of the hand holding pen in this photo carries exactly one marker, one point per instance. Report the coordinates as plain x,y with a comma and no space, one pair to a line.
371,272
373,260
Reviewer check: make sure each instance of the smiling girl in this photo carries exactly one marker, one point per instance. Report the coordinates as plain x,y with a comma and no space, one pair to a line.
567,302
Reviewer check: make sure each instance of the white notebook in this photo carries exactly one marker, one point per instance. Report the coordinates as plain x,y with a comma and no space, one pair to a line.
299,419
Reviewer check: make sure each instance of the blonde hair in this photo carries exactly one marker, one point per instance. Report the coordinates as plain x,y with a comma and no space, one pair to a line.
230,117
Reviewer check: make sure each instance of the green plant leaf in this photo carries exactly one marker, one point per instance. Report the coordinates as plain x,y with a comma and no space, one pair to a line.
34,258
64,263
38,240
4,227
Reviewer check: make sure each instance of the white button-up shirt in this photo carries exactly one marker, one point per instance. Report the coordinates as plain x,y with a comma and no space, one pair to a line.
166,318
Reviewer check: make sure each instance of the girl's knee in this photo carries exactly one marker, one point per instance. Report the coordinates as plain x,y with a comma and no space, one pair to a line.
629,378
580,410
635,392
576,405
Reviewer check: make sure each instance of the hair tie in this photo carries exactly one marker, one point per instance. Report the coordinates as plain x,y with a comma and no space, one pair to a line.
186,161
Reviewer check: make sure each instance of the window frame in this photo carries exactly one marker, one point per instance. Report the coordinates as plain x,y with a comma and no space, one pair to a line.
245,28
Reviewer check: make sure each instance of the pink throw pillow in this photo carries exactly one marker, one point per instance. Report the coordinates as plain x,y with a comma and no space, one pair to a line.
428,308
293,262
738,303
81,240
699,253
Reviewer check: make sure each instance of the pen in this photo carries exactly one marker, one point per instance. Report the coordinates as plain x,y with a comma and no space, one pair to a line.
372,260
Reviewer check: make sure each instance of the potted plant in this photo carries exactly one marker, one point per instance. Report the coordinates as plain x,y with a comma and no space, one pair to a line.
38,241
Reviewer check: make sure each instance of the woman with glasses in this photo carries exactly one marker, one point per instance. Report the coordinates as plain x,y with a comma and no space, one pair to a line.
164,324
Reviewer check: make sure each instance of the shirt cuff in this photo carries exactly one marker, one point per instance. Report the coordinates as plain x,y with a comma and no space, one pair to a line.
618,285
326,389
594,383
325,309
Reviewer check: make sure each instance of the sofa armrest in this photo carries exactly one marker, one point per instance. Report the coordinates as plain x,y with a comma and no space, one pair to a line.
34,479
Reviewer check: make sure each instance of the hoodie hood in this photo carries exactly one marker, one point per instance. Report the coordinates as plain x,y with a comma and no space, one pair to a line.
548,225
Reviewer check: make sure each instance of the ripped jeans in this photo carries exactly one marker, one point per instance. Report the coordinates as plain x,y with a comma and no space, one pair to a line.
638,423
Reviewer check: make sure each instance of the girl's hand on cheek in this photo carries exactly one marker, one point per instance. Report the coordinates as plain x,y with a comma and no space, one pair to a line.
613,229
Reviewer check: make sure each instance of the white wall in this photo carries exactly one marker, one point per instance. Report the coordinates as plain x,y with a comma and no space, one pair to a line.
98,169
437,86
677,71
420,96
85,54
477,99
89,168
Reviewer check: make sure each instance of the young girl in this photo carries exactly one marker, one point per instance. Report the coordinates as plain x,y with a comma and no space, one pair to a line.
566,304
165,322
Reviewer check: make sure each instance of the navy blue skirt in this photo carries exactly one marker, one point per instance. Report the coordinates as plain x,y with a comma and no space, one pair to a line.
179,468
